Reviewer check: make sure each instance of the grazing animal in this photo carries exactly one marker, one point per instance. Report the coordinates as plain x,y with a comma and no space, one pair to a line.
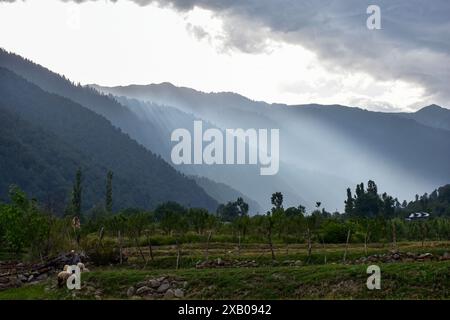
82,267
62,278
64,275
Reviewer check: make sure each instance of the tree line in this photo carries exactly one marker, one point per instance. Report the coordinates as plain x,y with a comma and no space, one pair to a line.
28,228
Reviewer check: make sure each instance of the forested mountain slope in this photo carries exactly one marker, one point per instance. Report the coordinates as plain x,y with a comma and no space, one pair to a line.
78,136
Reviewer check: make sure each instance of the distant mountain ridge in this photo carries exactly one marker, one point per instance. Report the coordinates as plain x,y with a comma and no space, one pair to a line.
432,116
324,149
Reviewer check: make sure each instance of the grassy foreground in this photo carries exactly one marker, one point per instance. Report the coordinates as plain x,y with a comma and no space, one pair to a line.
427,280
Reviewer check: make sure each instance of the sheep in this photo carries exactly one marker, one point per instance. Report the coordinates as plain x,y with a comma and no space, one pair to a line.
64,275
62,278
82,267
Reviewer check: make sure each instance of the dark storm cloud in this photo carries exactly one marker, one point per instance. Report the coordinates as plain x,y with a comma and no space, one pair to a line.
413,45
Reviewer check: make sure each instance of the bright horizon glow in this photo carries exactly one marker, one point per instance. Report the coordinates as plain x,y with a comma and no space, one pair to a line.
122,43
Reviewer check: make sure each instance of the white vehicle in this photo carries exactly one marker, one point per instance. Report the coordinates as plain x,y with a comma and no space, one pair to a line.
418,216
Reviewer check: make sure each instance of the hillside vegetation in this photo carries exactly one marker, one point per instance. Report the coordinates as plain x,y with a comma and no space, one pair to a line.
78,137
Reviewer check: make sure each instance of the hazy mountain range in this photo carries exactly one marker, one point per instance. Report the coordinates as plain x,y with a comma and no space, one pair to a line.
324,149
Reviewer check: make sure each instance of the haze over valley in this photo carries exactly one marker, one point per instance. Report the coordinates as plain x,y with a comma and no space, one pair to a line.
323,149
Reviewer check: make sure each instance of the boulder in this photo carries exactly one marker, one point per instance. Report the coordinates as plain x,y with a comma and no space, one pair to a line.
170,294
153,283
22,278
163,287
131,291
143,290
141,284
179,293
425,256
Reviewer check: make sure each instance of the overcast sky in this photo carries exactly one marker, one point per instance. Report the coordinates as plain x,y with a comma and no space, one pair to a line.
282,51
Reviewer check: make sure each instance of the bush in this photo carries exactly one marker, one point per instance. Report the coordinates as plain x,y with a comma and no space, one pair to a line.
102,253
335,232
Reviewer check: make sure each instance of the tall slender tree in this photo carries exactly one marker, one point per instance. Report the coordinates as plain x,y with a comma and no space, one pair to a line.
76,194
109,198
349,203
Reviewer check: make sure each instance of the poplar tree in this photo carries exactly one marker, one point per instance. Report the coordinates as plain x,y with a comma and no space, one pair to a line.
76,194
349,203
109,200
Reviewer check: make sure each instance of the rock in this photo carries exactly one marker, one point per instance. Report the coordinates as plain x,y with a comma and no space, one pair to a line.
141,284
30,278
153,283
425,256
4,280
277,276
131,291
219,261
143,290
185,284
22,278
161,279
163,287
179,293
42,277
169,294
298,263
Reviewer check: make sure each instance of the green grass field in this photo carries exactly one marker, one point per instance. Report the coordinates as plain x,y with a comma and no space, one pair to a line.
315,280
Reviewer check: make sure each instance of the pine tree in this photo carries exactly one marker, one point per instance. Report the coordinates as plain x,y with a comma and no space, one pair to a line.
349,203
360,190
